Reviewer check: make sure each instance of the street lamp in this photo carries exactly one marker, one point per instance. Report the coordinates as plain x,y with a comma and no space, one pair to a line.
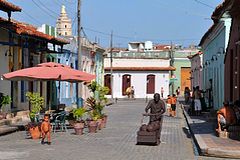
213,58
221,50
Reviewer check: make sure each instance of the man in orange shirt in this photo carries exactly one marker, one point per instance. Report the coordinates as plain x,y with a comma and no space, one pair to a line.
225,117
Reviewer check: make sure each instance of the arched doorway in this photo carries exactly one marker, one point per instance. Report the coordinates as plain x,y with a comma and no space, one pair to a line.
126,82
107,83
150,84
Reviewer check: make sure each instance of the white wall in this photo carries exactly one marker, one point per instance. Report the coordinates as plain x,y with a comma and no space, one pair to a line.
139,80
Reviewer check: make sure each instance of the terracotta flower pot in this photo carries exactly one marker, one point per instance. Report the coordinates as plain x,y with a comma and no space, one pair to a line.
35,132
79,127
99,121
104,120
92,126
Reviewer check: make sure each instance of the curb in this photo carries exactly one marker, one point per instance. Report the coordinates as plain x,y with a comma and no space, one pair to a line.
203,149
197,137
7,130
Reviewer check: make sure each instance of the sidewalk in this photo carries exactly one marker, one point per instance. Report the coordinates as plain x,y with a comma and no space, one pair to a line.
208,143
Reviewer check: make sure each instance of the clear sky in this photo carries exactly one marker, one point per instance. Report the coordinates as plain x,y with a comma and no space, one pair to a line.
161,21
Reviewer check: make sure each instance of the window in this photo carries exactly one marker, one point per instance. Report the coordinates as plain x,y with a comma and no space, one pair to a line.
107,83
65,26
126,82
150,84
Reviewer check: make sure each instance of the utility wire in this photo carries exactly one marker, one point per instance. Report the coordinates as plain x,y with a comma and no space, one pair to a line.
130,38
32,18
45,7
170,6
202,3
42,9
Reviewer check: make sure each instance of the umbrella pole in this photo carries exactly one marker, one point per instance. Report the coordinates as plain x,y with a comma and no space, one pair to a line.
59,92
50,98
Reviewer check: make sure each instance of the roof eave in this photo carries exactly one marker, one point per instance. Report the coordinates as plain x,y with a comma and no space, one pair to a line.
9,7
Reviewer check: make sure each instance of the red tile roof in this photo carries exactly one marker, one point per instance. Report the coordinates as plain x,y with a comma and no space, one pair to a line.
192,56
7,6
220,9
170,68
162,47
27,29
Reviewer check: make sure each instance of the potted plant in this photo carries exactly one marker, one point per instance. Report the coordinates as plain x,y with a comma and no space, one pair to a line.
5,100
92,122
36,103
97,102
78,114
102,91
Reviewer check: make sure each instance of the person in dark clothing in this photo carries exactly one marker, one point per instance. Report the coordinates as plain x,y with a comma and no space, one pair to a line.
156,106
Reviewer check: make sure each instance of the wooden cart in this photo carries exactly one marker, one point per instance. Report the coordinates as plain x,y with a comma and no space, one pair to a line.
145,137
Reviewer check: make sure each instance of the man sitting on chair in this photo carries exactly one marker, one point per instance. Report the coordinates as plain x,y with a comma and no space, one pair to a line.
225,117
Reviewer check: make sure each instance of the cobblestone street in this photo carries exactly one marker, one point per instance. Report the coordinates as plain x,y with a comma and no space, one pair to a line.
115,142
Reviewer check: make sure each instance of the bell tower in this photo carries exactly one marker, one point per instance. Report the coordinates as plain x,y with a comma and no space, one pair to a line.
64,24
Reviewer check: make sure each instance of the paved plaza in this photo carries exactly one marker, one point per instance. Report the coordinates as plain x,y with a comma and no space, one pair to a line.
115,142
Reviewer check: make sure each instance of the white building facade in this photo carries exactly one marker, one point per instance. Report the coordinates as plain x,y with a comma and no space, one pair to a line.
196,70
146,70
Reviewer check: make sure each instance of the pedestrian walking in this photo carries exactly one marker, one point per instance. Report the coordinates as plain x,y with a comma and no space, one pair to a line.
128,91
186,95
169,102
162,92
178,91
173,105
132,92
197,102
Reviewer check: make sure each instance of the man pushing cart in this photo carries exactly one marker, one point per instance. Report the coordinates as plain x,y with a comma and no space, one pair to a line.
150,133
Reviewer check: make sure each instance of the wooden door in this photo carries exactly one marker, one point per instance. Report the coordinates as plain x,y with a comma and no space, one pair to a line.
107,83
150,84
185,78
126,82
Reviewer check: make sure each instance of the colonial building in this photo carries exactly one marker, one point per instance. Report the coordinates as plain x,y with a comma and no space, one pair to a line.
196,70
181,76
230,9
214,44
92,61
145,69
22,46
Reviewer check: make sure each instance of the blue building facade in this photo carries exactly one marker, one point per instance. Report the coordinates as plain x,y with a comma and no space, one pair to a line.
214,44
67,93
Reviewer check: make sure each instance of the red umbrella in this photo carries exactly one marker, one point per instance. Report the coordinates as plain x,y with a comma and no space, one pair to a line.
49,71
